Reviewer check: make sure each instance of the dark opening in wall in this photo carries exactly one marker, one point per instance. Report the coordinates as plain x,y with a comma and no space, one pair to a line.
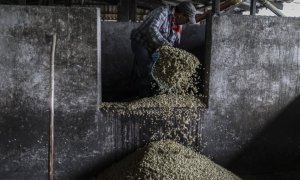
117,58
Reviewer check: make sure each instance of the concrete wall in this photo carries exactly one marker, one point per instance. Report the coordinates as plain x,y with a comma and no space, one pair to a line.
252,119
25,51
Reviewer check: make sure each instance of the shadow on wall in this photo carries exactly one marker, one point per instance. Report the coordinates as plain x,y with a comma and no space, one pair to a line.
276,148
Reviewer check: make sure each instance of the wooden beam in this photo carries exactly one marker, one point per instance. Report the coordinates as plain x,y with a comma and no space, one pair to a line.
22,2
51,2
253,7
123,11
132,10
216,7
68,2
224,5
148,5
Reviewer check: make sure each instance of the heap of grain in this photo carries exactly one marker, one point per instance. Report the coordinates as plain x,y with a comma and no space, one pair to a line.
166,160
175,73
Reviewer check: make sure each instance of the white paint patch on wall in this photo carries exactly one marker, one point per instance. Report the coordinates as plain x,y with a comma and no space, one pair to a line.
34,81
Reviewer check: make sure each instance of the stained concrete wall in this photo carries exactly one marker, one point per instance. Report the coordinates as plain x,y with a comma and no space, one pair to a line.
254,88
25,51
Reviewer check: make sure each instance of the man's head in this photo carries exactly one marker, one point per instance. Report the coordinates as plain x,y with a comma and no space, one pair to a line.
185,13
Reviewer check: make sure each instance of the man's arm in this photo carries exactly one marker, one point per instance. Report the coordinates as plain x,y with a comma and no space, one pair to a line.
154,27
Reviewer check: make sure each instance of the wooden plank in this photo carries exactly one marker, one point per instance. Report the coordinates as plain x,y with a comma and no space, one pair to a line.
23,2
68,2
253,7
123,11
132,10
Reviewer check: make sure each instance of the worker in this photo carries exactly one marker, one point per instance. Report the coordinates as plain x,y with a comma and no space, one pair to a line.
161,27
